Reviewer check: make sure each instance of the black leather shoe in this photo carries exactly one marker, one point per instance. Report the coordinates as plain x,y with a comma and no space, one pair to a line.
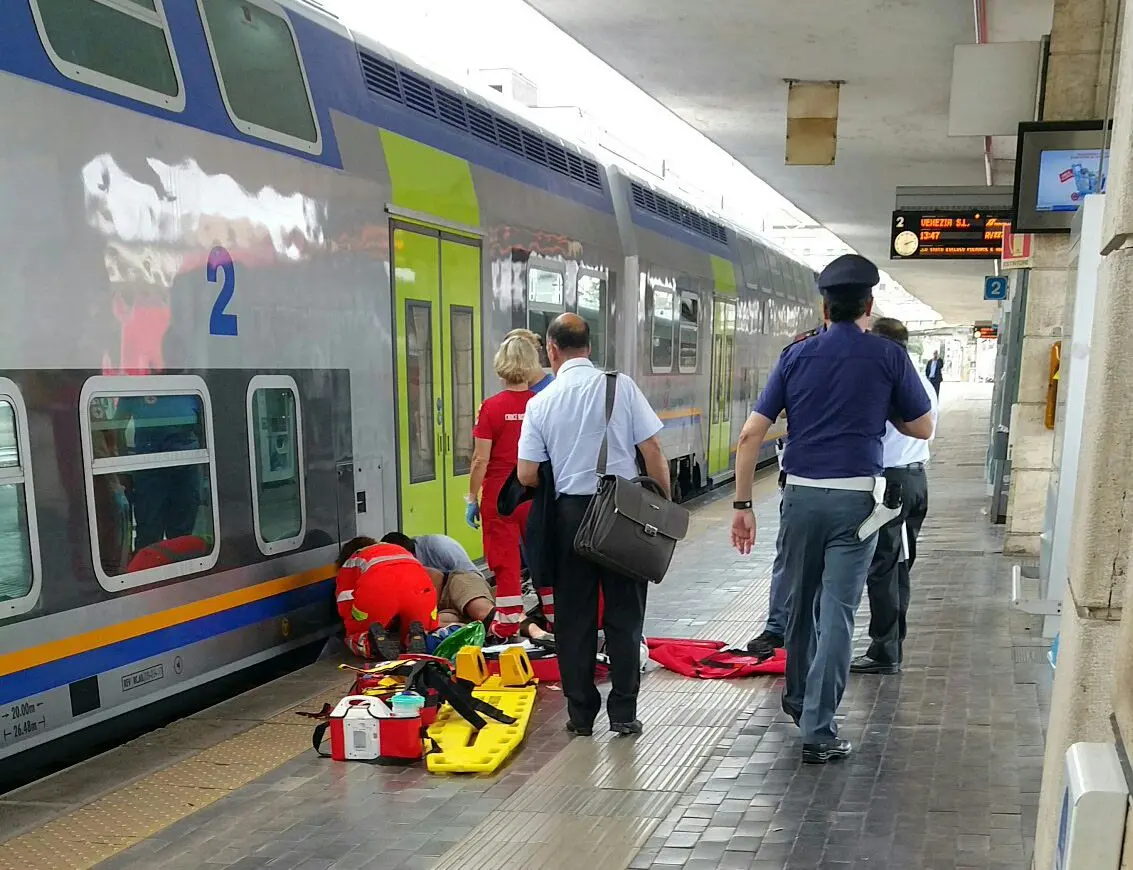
765,645
866,665
820,753
580,730
795,715
627,729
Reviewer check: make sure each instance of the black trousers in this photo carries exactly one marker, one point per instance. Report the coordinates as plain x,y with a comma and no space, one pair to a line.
577,582
888,579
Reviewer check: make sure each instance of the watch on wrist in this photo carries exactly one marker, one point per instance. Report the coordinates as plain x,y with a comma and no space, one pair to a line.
741,505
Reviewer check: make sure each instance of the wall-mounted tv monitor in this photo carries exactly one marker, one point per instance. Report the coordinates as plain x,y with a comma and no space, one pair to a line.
1057,164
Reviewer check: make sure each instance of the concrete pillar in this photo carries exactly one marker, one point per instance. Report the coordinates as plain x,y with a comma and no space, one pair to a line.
1095,660
1077,88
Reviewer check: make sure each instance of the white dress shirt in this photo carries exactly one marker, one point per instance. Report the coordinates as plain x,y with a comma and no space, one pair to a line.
565,422
898,449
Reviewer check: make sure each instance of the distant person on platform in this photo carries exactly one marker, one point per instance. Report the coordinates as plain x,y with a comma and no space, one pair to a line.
934,371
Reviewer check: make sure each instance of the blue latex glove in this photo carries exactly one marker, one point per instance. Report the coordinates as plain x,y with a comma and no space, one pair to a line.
472,515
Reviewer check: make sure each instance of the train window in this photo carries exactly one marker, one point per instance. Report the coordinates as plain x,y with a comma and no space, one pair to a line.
151,478
275,448
261,74
689,333
462,335
545,298
419,387
748,260
591,308
122,47
763,266
19,540
664,318
778,283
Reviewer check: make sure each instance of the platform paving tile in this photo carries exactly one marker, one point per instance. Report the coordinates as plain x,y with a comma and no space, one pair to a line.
948,754
945,773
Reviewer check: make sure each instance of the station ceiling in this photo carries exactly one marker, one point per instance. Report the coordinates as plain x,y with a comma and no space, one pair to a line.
721,66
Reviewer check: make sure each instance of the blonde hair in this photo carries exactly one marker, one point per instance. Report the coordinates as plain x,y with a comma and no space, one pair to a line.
526,335
517,360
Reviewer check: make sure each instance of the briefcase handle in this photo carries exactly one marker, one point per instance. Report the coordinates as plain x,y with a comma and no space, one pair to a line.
646,482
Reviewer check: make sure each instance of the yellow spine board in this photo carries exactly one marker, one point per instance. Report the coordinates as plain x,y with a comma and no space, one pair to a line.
461,749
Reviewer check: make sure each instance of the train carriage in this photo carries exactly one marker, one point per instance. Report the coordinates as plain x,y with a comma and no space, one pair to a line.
256,267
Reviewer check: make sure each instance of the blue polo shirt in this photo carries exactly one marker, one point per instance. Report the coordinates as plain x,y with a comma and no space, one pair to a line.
839,389
543,384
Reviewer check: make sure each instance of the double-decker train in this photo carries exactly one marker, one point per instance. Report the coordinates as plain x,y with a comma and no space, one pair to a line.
255,270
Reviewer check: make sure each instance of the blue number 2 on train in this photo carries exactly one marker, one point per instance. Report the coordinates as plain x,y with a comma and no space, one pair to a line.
220,322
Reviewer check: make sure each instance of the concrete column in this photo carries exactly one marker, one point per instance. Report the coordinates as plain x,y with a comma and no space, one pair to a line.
1077,88
1095,660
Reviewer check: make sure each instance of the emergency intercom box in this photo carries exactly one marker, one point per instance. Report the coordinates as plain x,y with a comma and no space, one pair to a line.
1091,827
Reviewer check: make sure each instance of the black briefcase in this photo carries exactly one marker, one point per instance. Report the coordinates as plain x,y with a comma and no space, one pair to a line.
630,526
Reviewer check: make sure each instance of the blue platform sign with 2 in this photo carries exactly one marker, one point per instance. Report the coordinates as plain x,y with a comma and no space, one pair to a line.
995,288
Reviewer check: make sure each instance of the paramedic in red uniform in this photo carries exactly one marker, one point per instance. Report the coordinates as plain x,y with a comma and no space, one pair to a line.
386,599
493,460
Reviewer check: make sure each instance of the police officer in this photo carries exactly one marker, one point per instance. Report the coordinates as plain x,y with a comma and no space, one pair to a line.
564,425
888,581
838,389
779,595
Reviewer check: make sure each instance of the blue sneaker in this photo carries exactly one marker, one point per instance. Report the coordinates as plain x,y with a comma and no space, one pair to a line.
433,639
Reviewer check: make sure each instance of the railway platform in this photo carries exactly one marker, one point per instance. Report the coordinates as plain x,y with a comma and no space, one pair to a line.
946,771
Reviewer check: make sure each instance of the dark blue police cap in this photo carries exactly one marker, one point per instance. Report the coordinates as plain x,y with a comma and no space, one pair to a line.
849,270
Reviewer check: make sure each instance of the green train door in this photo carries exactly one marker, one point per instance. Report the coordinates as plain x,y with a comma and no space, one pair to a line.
436,279
720,416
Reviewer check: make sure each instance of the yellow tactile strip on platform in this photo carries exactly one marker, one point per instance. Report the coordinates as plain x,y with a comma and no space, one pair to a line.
90,834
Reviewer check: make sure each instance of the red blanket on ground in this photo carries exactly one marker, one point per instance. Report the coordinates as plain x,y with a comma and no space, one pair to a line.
710,660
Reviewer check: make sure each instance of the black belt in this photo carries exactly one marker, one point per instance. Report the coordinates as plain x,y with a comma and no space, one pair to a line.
912,466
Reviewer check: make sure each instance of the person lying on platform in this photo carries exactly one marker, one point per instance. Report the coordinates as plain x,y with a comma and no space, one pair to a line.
441,552
465,596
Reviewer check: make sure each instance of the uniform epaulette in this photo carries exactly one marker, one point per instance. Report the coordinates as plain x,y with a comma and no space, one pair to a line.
803,337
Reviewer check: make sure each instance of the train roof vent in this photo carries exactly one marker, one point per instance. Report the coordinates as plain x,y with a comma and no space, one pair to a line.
509,136
482,124
386,79
675,213
450,109
534,148
557,159
418,94
380,76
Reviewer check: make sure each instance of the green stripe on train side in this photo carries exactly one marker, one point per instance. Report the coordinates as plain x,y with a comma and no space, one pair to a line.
724,274
430,182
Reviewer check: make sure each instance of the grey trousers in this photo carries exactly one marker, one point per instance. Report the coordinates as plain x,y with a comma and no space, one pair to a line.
827,566
779,600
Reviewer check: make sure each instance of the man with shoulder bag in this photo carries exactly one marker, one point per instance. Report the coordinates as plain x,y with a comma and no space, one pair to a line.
611,530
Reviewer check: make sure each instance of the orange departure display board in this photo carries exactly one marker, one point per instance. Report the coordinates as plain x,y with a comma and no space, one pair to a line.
947,235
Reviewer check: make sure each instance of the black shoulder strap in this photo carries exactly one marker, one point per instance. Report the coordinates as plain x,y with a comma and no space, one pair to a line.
611,392
317,738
